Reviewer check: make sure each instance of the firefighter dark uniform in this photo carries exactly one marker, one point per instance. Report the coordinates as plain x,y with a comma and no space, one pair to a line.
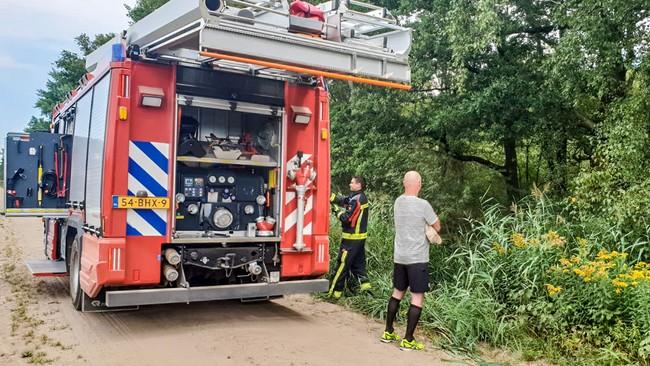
352,253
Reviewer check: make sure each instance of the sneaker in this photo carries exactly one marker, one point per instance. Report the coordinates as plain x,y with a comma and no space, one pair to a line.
388,337
414,345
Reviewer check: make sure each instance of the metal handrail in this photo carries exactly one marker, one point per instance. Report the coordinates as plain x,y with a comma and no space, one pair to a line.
260,7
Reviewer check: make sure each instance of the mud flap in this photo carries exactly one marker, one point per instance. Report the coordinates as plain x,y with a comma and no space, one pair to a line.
98,304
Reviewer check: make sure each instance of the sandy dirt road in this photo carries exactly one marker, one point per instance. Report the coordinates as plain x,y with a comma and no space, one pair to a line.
39,326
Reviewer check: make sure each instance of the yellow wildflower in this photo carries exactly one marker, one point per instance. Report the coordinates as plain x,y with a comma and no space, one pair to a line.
518,240
639,275
575,259
565,262
618,283
601,273
582,242
586,272
554,239
499,248
604,255
553,290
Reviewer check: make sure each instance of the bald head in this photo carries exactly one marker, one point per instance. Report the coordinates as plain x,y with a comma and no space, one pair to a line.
412,183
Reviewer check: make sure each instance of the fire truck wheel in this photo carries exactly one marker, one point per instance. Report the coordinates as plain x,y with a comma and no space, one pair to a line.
75,267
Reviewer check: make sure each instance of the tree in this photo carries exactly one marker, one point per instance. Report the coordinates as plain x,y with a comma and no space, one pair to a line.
142,8
37,124
500,83
68,69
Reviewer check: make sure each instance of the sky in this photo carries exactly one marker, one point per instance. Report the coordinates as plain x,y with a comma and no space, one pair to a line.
32,35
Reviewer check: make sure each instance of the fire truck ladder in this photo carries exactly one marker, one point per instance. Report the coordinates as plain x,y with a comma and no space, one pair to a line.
341,39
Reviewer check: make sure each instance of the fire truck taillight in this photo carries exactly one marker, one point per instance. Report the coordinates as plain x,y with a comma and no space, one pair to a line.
301,115
151,97
155,102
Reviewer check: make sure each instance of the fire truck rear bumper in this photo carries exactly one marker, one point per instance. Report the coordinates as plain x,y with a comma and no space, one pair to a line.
209,293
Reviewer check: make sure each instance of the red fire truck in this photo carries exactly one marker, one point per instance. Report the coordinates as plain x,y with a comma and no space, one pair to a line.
192,162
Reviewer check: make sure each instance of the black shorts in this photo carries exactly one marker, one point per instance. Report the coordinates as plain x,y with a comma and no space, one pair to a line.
414,276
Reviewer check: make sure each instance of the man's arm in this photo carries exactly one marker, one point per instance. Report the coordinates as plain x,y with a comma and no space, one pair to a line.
337,199
436,225
431,218
350,214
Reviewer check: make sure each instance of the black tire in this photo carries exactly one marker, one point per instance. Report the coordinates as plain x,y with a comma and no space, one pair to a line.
66,242
76,294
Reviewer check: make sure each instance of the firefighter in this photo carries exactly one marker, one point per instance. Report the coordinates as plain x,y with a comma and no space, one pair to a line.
352,211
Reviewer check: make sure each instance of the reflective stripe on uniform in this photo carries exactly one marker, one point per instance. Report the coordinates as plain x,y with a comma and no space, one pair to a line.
344,255
358,226
354,236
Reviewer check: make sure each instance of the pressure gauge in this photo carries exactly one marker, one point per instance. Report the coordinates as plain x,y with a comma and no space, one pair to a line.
231,180
222,179
222,218
212,179
261,200
193,209
249,209
180,198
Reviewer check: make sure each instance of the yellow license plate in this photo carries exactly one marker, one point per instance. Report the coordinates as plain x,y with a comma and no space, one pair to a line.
140,202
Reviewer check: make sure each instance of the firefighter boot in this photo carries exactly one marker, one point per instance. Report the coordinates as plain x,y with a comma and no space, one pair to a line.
365,287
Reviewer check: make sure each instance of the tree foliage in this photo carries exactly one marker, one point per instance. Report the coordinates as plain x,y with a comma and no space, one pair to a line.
142,8
37,124
519,88
69,68
63,78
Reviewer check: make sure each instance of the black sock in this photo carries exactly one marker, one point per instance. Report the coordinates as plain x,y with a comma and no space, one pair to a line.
393,307
412,322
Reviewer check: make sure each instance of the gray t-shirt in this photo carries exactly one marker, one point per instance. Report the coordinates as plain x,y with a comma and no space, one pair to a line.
412,214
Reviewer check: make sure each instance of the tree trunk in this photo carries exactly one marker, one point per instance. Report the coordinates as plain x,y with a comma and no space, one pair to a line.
561,163
511,172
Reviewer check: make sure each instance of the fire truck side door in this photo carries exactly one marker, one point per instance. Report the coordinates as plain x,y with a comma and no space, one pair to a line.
36,174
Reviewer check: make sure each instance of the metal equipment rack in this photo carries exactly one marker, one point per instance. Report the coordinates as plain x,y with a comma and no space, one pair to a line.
356,40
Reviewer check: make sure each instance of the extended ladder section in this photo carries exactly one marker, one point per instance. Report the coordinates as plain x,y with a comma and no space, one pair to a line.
340,37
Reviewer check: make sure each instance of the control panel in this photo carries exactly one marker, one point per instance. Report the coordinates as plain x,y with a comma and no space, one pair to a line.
219,199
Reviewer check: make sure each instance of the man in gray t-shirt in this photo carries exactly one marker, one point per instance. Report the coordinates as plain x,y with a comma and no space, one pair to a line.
411,257
412,215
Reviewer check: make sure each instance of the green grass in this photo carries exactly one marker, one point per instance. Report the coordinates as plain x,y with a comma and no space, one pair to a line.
491,286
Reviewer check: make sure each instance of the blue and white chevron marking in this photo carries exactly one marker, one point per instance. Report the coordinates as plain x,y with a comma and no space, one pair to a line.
149,172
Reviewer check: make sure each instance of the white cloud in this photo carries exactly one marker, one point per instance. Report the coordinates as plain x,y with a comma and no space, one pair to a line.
60,21
8,62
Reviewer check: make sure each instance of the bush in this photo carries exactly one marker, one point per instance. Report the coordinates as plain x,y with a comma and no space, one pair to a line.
529,273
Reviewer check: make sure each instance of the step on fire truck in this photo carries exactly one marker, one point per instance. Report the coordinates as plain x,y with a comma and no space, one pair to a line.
192,162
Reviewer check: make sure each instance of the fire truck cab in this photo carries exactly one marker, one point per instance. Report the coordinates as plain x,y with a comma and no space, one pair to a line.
192,163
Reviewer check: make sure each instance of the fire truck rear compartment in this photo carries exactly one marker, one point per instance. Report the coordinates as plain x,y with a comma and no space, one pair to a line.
228,153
